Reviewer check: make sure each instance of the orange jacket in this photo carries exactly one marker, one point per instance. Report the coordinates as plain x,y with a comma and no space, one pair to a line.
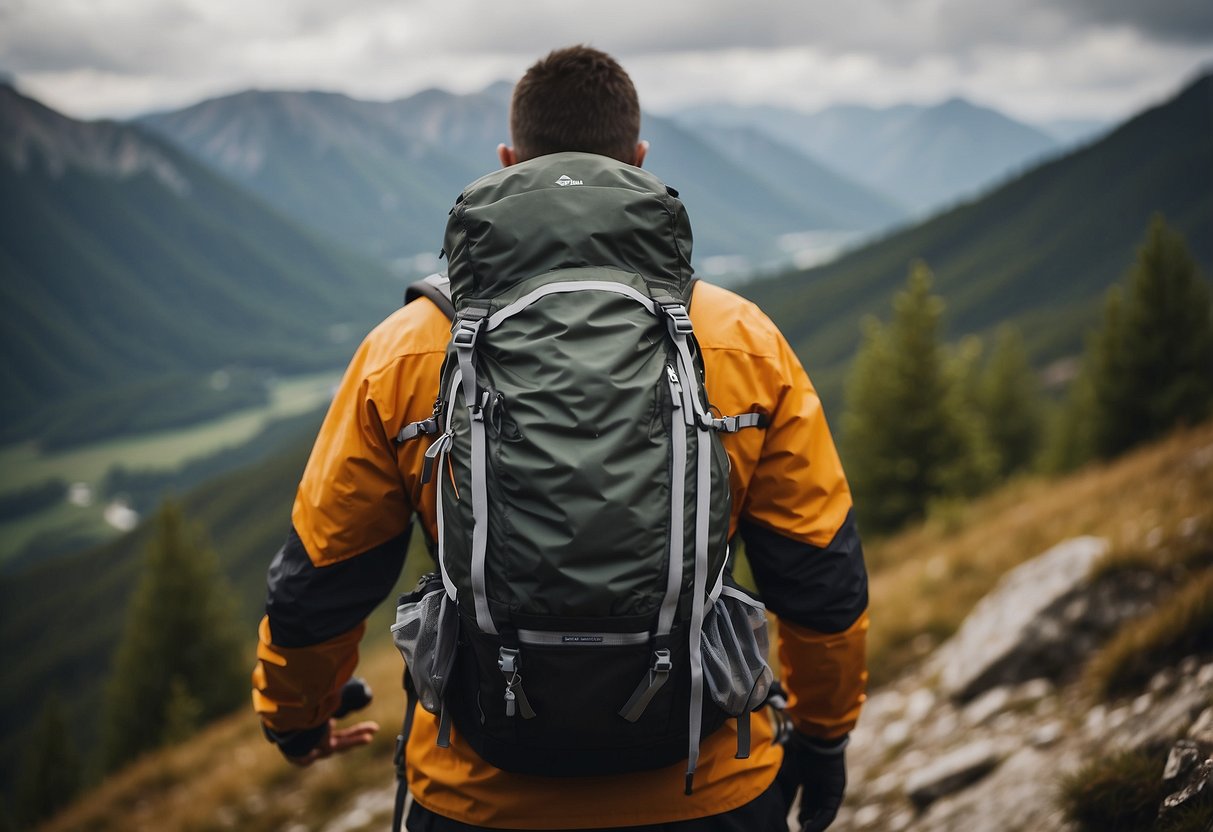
360,491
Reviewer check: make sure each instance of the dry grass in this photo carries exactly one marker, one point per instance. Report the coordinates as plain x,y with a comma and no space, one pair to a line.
926,579
229,777
1181,626
1119,793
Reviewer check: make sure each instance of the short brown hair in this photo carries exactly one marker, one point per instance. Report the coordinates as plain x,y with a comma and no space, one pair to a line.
576,98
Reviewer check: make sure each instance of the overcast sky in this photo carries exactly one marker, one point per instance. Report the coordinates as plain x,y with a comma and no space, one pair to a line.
1035,59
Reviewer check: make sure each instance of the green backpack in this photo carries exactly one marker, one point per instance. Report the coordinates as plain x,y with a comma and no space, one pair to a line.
584,601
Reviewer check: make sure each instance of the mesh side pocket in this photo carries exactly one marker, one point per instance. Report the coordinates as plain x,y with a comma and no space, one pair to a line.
735,647
425,632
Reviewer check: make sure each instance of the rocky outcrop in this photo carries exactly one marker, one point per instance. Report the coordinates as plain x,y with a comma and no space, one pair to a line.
1040,620
979,736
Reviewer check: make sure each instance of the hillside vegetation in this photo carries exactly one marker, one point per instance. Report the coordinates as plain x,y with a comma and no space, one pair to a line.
1038,252
129,272
924,581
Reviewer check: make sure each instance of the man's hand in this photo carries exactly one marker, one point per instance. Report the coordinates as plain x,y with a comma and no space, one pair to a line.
819,768
337,741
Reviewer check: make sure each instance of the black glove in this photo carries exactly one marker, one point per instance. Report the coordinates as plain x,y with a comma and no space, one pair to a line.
819,769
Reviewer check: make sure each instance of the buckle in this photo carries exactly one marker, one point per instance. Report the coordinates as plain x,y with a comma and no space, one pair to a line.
679,320
467,333
661,661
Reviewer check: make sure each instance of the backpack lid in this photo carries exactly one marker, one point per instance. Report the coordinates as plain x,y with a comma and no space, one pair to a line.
566,210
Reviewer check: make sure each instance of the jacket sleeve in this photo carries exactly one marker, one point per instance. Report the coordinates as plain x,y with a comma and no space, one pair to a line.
341,558
806,557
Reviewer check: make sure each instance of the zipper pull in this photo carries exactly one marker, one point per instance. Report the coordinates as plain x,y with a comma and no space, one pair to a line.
675,386
441,445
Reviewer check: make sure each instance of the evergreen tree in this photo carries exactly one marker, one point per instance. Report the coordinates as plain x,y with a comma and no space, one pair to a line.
180,661
1152,362
50,768
905,439
1008,398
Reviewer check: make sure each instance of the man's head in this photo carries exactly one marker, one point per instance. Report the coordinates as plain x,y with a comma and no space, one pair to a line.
577,99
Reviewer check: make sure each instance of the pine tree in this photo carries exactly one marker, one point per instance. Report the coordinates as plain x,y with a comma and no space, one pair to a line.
905,439
1008,398
50,768
180,661
1152,364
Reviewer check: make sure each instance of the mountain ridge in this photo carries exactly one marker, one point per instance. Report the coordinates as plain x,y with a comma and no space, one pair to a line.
114,274
922,156
1039,251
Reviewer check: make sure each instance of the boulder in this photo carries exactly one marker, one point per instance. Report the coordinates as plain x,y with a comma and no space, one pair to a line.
953,772
1031,624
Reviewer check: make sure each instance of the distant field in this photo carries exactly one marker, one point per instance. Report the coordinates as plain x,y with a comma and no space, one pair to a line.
24,465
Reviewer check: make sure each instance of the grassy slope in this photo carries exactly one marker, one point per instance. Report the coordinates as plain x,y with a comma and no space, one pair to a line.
924,581
1039,251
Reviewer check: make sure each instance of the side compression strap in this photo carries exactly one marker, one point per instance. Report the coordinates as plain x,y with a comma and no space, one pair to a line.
659,672
467,331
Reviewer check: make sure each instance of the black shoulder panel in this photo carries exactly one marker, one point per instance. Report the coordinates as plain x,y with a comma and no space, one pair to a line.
307,604
823,589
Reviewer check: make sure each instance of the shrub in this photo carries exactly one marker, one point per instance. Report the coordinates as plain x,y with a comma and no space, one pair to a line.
1181,625
1120,793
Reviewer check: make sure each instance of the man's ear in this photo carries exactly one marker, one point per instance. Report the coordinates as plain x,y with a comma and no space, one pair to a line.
642,149
507,156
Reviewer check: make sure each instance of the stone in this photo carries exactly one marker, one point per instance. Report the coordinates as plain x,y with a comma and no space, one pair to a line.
1202,729
920,703
1199,787
1142,704
1033,690
1161,681
990,703
952,772
895,733
1019,628
1161,724
1047,734
1204,676
1185,755
867,816
1097,718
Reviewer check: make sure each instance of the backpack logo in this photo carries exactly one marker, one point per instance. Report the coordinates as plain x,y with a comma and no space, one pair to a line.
564,181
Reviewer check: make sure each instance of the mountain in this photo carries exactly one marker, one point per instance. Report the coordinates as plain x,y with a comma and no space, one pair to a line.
381,176
1040,251
123,261
830,199
1073,131
376,176
922,157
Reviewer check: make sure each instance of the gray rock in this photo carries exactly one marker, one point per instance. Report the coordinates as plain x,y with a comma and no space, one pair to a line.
1202,729
1185,755
952,772
990,703
920,703
1157,727
1047,734
1022,620
1016,797
1199,787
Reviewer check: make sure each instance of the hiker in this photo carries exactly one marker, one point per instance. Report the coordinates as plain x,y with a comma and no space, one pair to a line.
575,113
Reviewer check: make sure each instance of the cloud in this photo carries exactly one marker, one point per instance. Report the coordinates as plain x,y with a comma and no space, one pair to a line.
124,56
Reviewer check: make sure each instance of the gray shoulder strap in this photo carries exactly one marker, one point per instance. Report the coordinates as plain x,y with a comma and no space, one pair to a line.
436,287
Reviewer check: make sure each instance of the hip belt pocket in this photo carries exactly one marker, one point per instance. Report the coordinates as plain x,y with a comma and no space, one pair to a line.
426,632
735,647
